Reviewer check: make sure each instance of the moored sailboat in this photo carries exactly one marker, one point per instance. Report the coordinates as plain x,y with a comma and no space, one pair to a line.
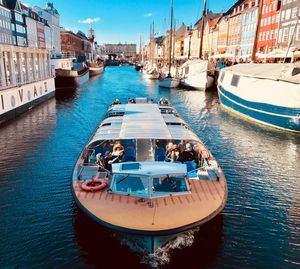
195,74
169,81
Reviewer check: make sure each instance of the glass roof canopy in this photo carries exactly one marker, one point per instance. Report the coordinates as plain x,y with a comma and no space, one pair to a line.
142,121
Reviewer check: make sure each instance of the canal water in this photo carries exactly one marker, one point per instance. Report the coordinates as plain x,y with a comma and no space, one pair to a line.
41,226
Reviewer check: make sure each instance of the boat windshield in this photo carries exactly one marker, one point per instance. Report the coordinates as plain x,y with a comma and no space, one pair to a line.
130,184
147,187
169,185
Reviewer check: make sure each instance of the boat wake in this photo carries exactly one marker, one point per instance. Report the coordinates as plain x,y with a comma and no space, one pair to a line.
162,255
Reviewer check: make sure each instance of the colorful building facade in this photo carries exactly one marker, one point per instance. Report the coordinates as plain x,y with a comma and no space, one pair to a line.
268,26
289,32
248,28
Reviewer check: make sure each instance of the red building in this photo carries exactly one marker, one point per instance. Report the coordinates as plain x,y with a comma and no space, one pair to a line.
269,26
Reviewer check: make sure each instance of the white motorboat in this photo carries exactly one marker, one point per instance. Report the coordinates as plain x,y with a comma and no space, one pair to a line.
169,82
266,93
195,74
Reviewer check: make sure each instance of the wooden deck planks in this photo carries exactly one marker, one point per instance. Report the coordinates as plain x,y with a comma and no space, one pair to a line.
167,213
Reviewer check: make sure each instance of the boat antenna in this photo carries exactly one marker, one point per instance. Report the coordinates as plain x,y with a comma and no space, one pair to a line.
202,29
170,42
254,49
292,39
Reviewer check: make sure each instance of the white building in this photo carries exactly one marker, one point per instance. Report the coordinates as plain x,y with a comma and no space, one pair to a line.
52,16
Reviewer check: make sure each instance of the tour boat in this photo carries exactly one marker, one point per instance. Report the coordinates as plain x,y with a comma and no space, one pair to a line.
195,74
267,93
96,69
124,178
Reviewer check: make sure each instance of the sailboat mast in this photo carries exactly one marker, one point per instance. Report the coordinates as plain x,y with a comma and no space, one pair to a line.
291,40
170,42
202,29
174,40
254,49
140,58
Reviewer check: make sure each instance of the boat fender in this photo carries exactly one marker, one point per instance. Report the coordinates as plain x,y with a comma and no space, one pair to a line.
94,185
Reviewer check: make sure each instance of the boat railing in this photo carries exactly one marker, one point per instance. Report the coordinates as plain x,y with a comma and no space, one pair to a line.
19,81
89,170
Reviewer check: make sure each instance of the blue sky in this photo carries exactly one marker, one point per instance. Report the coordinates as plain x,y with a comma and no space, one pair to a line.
124,20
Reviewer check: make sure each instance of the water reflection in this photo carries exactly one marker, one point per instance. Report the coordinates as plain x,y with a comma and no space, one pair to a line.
17,135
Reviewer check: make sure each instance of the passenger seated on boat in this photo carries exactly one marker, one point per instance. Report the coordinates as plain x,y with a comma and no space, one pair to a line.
131,100
174,154
177,155
100,162
189,154
166,102
116,102
161,101
117,154
169,150
107,159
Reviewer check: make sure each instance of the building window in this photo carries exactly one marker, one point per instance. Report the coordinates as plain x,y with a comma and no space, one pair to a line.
298,33
288,14
294,12
285,34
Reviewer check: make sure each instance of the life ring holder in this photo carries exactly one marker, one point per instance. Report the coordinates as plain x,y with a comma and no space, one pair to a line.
89,185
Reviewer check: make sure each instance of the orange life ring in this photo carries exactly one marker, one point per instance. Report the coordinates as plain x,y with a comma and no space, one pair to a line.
94,185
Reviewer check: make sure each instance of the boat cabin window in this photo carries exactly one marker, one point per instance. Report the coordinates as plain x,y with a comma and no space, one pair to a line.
146,186
169,185
106,124
235,80
187,69
296,70
175,123
135,185
115,114
222,76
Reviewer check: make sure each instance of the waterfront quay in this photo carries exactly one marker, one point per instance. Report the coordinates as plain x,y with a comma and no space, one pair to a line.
172,150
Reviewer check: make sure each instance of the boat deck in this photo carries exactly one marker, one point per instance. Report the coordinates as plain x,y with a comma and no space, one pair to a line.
177,212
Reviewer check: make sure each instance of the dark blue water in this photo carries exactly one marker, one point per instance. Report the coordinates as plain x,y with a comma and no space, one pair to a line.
41,226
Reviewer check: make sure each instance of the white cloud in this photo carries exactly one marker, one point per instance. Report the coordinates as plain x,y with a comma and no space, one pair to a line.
90,20
149,14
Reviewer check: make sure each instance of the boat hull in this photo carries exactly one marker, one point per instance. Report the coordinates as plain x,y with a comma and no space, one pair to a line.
17,100
67,81
95,71
169,83
198,82
276,116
